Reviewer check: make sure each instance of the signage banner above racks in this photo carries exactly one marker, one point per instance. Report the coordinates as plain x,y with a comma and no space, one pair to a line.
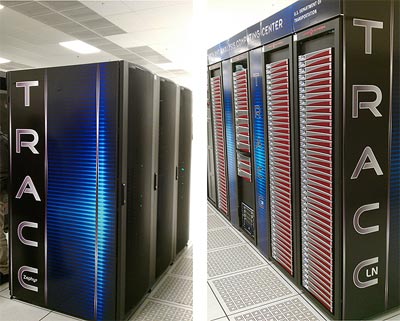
310,12
293,18
254,36
277,26
214,54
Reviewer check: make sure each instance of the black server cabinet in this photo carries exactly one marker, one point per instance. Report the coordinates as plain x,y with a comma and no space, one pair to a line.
78,162
280,129
219,137
184,168
344,93
244,145
167,174
142,194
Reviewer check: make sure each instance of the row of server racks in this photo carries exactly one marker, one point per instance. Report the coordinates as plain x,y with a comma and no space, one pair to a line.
99,185
303,148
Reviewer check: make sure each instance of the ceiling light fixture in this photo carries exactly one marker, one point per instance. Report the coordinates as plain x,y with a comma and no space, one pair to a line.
1,6
4,60
80,47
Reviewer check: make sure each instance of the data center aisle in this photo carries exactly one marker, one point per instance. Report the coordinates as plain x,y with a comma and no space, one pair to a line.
170,300
243,286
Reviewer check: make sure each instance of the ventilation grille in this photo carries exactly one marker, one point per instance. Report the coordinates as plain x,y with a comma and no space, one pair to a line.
216,101
315,92
280,163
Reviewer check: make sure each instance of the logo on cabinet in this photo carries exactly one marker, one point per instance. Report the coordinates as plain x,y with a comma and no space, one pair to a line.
26,139
26,278
366,272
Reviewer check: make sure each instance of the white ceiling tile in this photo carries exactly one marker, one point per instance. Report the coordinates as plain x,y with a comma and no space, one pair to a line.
53,19
98,41
166,17
81,14
109,31
84,35
107,8
62,5
97,23
70,27
10,4
149,5
126,40
32,9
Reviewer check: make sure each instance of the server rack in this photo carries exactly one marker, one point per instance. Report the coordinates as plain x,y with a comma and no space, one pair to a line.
142,193
244,150
218,119
318,141
184,166
211,174
280,110
75,166
168,174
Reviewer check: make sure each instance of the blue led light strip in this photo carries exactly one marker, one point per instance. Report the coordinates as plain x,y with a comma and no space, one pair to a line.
259,148
71,196
106,207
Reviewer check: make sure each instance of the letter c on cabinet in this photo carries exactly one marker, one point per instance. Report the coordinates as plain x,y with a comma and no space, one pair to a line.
21,271
23,240
356,280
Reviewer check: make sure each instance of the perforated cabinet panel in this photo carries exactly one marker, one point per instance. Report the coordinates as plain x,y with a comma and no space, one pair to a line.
220,155
278,106
241,101
315,93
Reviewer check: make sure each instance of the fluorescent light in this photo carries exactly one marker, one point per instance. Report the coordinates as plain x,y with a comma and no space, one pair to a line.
79,46
4,61
1,6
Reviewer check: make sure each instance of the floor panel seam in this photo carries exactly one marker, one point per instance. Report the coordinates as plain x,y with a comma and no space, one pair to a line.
172,303
223,310
45,316
211,278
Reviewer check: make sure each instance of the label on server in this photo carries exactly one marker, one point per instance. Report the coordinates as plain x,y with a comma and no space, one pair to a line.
277,75
219,142
315,95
